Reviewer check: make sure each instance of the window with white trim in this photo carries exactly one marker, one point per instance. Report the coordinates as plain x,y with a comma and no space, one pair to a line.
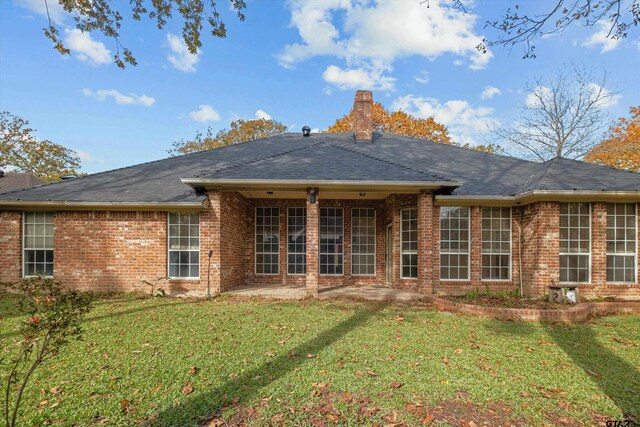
37,244
409,243
496,243
267,240
297,240
622,242
575,242
331,241
363,241
454,243
184,245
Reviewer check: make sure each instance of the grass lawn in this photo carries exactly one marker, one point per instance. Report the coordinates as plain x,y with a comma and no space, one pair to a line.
172,362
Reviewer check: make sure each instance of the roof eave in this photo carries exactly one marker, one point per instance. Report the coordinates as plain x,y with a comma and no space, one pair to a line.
540,195
102,206
287,184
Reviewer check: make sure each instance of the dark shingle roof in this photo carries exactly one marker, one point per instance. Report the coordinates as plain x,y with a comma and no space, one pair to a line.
336,157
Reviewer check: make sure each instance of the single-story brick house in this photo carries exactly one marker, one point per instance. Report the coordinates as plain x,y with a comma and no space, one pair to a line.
332,209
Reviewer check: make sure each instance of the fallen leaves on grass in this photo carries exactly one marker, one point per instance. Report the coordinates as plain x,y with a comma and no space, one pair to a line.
187,389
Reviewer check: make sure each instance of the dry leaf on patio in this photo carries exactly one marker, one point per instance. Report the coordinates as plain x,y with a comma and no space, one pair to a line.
187,389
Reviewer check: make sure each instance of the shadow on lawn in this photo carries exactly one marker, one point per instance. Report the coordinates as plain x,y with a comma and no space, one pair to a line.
211,402
614,376
618,379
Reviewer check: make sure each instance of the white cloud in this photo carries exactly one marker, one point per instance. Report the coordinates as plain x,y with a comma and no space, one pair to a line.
602,38
358,78
608,99
180,57
261,114
490,91
422,77
543,93
373,35
56,12
120,98
205,113
85,48
534,97
86,157
465,122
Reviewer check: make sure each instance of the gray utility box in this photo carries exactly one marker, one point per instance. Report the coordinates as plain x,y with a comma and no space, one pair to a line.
564,294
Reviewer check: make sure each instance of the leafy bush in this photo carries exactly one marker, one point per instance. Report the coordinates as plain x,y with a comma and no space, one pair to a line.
53,317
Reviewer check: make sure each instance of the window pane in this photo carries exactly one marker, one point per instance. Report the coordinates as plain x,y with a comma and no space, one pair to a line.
297,240
267,240
38,243
496,243
184,245
331,241
621,242
454,242
575,242
363,222
409,243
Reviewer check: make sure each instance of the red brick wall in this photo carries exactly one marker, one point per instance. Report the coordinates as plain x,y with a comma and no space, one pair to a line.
233,242
109,251
541,247
10,246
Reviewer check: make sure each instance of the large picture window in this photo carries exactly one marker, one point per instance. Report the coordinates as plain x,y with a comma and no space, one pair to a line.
454,243
622,242
496,243
331,241
363,242
409,243
37,244
184,245
267,240
575,242
297,240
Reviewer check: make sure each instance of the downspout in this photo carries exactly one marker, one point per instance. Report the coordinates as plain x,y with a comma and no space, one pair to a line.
520,253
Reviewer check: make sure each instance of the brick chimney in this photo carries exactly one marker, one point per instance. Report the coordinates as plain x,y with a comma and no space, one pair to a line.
363,116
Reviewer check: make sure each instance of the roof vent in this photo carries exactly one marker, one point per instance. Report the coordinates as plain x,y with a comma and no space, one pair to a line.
306,131
67,177
1,173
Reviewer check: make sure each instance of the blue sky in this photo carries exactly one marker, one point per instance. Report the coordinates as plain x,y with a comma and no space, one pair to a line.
299,62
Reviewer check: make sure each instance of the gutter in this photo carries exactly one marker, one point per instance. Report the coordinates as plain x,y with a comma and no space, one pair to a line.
105,206
539,195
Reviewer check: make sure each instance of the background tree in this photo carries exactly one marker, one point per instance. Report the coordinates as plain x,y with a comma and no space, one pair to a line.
240,131
22,151
486,148
399,123
105,17
561,118
621,147
523,26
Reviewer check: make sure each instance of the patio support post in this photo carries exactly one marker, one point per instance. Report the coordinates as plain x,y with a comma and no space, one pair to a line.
210,271
425,244
313,232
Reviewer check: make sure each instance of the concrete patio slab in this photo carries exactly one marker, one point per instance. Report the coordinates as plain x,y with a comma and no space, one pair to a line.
370,292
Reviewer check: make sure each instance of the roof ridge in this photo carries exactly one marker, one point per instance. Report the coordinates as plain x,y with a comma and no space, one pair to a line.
537,178
265,157
432,175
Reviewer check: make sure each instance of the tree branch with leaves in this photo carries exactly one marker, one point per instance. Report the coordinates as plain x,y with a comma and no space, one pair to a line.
104,17
23,152
621,146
